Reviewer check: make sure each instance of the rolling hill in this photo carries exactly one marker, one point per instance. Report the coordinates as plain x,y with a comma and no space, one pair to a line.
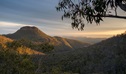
4,39
22,50
105,57
36,35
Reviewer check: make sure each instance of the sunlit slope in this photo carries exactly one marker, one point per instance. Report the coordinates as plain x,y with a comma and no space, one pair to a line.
25,50
36,35
4,39
22,50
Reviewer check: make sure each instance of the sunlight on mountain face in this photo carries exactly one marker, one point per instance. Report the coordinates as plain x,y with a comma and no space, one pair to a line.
25,50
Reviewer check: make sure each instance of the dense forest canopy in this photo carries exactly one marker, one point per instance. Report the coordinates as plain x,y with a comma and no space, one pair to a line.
90,10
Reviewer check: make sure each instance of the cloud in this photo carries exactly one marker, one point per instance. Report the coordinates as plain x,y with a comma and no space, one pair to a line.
10,24
9,27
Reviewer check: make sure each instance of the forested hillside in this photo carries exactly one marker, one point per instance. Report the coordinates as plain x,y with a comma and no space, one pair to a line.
106,57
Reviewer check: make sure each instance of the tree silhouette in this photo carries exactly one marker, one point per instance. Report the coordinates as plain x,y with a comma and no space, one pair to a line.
90,10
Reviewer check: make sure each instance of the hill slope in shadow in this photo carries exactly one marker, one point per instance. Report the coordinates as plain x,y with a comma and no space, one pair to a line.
106,57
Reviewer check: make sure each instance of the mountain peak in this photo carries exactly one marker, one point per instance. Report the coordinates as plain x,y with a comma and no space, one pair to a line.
29,32
29,28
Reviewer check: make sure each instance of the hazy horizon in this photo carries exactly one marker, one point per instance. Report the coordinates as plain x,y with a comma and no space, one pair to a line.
42,14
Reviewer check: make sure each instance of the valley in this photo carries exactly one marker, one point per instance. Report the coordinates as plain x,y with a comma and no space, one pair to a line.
57,55
62,36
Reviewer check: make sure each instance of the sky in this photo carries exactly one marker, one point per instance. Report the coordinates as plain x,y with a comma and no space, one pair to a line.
42,14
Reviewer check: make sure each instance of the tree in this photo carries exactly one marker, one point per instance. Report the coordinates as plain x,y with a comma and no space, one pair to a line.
90,10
